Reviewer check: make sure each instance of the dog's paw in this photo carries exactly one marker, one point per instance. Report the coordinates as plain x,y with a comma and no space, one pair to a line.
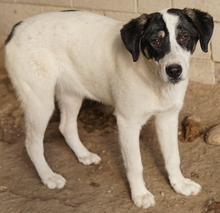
54,181
186,187
91,158
144,201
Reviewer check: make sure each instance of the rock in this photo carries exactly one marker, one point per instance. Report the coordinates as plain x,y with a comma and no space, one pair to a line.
213,136
191,130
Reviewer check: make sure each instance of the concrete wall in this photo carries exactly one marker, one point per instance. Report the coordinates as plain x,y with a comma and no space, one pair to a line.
205,67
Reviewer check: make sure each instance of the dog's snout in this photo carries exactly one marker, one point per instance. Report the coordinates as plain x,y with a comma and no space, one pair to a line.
174,71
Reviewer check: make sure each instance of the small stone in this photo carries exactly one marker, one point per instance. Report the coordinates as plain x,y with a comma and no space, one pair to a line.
3,188
194,174
93,184
162,193
213,136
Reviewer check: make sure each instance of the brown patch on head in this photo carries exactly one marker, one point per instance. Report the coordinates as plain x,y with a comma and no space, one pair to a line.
143,19
190,12
146,53
161,34
194,48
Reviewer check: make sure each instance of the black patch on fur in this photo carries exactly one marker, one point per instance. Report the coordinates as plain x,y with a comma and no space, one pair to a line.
69,10
10,36
156,26
131,34
197,25
139,34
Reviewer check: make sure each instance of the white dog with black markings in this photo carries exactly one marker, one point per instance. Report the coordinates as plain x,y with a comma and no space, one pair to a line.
72,55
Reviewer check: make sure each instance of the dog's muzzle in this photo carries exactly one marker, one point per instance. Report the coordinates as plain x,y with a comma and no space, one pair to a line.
174,72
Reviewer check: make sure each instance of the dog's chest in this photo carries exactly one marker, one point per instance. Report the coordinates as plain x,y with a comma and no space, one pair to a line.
165,98
168,95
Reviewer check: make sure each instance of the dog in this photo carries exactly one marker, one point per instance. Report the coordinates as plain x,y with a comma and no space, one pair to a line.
140,68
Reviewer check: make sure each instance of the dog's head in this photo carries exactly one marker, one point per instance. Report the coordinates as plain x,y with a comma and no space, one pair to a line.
168,37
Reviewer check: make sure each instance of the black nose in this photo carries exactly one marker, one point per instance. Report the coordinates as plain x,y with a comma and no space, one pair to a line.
174,71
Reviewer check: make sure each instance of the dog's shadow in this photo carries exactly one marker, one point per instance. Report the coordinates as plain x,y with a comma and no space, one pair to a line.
94,115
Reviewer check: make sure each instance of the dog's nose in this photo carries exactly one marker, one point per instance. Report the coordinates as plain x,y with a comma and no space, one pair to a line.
174,71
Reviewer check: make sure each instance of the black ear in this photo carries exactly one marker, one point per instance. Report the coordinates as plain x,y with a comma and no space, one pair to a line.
203,23
131,34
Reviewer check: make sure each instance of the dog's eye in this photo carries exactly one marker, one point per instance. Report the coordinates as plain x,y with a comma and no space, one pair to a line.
183,38
156,41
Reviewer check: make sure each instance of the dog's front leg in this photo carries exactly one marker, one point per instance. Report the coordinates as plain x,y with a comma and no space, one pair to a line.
129,131
167,127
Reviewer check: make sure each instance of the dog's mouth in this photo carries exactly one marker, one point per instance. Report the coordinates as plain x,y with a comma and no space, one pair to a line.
175,81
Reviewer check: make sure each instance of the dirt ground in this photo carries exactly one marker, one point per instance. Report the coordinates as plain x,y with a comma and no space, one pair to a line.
104,188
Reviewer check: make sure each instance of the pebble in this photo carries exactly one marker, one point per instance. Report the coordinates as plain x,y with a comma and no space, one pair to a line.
3,188
110,190
213,136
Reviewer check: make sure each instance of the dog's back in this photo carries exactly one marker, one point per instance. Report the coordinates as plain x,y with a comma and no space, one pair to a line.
65,47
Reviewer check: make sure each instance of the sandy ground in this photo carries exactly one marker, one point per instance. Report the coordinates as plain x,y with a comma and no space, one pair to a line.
104,188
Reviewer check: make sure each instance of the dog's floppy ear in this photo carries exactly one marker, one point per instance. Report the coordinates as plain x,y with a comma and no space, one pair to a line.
203,23
131,34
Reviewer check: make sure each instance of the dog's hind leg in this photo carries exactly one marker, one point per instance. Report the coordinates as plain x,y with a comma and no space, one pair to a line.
70,105
38,104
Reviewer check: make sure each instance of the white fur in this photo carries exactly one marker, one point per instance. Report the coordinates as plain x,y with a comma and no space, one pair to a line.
79,54
177,54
